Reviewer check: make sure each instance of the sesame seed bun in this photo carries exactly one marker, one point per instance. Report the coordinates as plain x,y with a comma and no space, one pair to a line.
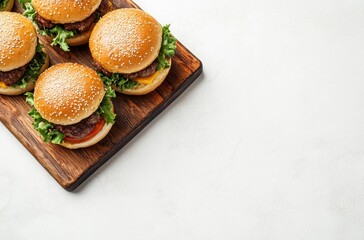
65,11
126,40
103,132
8,6
67,93
17,91
18,41
142,89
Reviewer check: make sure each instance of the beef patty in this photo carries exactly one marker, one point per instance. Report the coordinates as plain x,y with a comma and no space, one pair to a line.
13,76
44,23
81,129
82,26
103,8
146,72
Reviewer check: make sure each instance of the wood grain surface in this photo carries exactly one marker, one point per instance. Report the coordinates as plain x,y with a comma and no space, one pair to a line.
71,167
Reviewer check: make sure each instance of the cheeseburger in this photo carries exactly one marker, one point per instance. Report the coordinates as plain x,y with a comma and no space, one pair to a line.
22,57
132,51
69,23
6,5
71,107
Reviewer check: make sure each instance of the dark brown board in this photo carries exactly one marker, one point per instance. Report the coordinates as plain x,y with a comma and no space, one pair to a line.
71,167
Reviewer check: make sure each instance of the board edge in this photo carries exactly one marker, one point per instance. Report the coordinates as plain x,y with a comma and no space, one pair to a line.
193,77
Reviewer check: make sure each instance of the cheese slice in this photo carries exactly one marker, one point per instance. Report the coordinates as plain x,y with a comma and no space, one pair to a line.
147,80
3,85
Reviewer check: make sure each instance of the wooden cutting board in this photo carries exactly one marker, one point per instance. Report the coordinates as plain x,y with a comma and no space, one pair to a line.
71,167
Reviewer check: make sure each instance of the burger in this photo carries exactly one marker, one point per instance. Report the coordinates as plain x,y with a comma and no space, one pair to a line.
68,23
71,106
132,51
22,57
6,5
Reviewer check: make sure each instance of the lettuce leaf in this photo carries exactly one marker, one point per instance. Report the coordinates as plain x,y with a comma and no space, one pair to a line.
168,48
29,10
110,93
3,3
106,106
32,71
118,80
59,34
23,3
45,128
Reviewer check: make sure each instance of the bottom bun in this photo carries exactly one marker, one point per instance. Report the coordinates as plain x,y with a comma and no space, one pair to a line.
17,90
104,131
8,6
142,89
81,38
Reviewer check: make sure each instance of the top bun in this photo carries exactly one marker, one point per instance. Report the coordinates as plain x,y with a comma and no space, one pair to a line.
68,93
126,40
18,41
65,11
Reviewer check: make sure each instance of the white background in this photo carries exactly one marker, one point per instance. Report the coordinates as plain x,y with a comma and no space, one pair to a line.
267,144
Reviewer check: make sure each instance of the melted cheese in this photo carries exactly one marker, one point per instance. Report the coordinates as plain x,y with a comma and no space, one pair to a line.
3,85
147,80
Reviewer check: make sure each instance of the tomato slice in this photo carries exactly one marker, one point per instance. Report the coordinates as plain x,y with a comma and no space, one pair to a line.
92,134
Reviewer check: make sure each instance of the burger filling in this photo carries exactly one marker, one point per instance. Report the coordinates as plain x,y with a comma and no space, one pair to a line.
13,76
76,133
3,3
80,130
146,72
128,81
20,77
62,32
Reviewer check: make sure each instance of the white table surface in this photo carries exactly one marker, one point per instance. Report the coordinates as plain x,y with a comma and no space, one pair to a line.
267,144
